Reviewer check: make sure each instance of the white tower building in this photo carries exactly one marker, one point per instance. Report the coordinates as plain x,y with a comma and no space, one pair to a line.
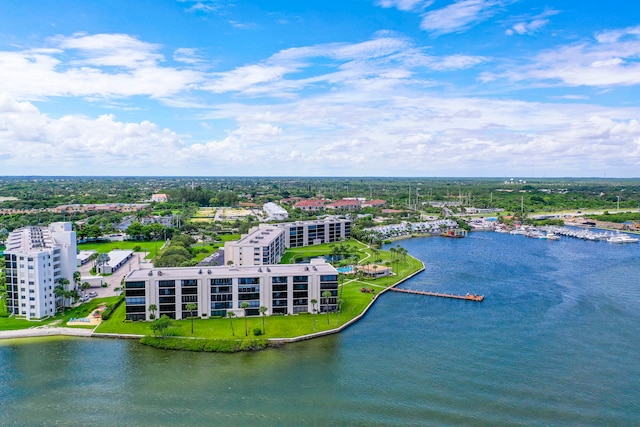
36,259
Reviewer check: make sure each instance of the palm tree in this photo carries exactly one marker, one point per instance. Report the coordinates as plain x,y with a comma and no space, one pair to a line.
231,315
314,302
76,278
192,306
263,311
326,295
393,252
59,292
340,301
102,259
152,309
84,287
244,307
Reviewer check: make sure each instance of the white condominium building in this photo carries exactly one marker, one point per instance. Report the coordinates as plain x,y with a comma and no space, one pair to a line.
315,232
282,289
36,258
266,243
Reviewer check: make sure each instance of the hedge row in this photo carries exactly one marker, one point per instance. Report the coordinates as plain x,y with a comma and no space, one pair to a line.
206,345
111,307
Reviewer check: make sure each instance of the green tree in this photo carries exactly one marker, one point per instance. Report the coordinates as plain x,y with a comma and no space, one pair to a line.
231,315
135,230
263,311
59,292
102,259
192,306
244,307
314,302
161,325
84,286
153,308
326,295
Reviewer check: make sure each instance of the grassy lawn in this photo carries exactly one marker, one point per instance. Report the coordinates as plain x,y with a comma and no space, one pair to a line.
11,323
354,302
276,326
145,246
228,237
292,254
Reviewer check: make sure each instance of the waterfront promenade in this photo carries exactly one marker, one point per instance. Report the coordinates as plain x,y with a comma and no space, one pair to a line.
44,331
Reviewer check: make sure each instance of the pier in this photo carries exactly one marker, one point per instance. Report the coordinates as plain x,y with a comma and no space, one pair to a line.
467,297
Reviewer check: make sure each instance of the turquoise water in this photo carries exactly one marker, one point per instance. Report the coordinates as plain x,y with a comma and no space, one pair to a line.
554,343
347,269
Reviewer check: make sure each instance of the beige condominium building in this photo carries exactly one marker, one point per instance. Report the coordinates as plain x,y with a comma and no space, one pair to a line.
265,244
282,289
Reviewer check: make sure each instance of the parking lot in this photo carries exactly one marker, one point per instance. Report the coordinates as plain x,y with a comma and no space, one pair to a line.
114,280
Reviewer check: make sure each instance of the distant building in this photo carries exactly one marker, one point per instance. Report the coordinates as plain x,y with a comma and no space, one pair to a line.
106,207
117,258
344,204
36,259
159,197
373,203
311,205
84,257
266,243
275,212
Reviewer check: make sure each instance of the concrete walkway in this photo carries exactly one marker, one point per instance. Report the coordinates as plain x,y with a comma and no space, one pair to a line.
44,331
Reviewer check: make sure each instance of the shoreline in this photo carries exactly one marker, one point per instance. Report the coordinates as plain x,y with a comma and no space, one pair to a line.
44,331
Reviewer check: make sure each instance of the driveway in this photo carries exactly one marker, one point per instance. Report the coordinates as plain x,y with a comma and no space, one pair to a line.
115,280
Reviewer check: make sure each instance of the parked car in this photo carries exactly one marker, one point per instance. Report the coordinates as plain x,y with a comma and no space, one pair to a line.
92,294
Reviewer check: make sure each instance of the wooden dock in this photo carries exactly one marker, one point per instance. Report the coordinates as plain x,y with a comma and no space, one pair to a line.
467,297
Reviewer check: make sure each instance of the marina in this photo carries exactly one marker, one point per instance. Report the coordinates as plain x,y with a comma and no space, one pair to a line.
554,233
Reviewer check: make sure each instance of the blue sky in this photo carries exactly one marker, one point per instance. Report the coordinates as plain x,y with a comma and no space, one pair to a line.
501,88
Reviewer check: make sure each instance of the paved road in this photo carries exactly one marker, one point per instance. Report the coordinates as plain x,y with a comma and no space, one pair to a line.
115,279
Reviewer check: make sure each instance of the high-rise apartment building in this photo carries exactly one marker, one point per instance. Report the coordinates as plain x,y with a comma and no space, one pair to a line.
36,259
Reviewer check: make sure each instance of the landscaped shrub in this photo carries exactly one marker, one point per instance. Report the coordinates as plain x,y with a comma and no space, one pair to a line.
208,345
110,308
257,331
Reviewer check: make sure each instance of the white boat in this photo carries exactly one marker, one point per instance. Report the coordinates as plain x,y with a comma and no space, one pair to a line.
622,238
551,236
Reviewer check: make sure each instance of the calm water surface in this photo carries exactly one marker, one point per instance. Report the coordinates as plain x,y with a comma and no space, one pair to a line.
554,343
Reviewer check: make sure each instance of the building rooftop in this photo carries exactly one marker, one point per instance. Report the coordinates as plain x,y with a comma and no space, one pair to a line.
116,256
316,266
260,237
29,239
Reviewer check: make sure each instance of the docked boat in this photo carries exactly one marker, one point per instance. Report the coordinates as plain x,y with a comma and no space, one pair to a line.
622,238
550,236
